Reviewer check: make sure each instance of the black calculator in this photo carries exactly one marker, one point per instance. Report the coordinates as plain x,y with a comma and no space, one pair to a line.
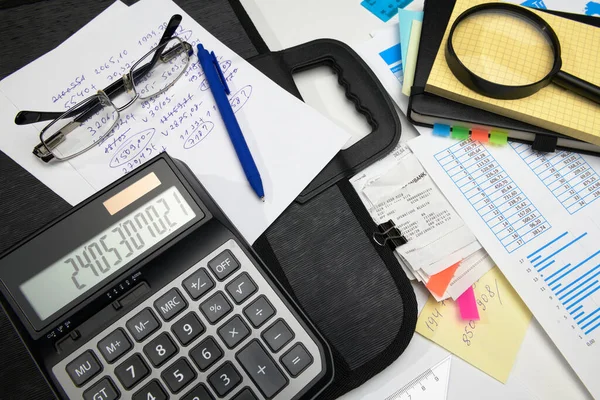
146,291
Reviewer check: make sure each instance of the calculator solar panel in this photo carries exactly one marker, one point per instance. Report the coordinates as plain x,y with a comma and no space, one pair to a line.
194,314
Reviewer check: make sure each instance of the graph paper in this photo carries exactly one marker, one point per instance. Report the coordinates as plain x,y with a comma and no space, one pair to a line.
552,107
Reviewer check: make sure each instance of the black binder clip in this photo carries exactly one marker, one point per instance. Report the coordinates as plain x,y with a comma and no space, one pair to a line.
390,235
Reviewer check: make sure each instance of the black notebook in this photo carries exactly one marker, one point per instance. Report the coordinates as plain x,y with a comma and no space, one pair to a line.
428,109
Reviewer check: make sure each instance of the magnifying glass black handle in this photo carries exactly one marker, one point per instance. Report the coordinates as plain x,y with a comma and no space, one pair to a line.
576,85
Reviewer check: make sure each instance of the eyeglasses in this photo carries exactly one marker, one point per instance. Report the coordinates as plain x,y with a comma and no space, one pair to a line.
92,120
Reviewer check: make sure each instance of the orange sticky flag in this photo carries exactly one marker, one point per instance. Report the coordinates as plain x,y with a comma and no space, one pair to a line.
438,283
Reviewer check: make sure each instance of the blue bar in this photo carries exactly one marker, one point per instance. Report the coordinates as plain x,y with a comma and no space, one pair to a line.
392,55
584,297
557,272
592,313
578,265
586,288
396,68
546,266
591,329
546,245
578,279
591,322
578,286
575,310
579,315
535,259
561,249
555,287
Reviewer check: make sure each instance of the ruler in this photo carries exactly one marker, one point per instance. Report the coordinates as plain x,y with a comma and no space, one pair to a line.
429,385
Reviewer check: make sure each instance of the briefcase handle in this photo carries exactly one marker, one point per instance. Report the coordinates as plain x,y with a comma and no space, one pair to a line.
361,87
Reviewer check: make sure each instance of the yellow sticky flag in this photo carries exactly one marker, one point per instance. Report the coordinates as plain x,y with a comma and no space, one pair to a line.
490,344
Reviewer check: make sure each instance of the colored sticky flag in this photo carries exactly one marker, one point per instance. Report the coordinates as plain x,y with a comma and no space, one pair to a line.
467,305
438,283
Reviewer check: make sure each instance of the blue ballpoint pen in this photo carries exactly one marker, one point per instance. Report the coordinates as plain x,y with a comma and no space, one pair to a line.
220,90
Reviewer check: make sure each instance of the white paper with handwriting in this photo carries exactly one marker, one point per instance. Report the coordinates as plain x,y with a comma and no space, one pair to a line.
289,141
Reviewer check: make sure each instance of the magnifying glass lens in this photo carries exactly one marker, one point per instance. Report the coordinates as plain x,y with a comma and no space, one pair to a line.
503,47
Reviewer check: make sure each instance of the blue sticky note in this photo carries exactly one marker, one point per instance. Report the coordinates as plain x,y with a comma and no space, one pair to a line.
384,9
441,130
406,17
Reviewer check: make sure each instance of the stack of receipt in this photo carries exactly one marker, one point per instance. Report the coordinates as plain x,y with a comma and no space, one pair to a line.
397,188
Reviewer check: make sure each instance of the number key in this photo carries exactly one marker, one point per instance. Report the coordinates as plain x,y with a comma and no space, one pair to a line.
152,391
206,353
198,393
131,371
187,328
178,375
224,379
160,349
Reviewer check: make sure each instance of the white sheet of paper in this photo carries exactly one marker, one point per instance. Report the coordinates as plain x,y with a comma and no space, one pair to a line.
289,141
537,216
467,273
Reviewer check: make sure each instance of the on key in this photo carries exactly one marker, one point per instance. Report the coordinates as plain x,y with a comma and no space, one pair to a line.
261,369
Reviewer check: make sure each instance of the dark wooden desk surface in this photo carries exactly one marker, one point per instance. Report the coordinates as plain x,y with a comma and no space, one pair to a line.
29,29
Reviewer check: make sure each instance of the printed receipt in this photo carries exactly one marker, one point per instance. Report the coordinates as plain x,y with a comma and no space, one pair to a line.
398,188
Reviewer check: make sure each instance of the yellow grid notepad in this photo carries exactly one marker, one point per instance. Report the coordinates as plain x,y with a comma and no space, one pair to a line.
552,107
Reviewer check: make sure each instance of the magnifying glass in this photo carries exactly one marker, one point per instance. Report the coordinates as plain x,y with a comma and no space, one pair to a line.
508,52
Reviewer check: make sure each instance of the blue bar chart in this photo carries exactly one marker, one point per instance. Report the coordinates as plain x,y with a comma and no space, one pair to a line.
572,275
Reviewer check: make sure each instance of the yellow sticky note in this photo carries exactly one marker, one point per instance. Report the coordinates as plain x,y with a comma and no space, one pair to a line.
411,56
552,107
490,344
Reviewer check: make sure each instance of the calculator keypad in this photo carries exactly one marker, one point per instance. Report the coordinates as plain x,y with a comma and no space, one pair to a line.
206,335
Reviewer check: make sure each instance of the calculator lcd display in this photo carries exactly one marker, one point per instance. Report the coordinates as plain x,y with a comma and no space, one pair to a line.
106,253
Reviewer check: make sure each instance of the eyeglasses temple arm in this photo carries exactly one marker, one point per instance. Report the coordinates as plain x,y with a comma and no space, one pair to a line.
114,89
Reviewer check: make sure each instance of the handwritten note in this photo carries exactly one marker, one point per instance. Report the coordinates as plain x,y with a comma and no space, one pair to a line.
183,121
490,344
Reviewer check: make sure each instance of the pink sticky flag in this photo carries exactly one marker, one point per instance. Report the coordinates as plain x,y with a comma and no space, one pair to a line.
467,305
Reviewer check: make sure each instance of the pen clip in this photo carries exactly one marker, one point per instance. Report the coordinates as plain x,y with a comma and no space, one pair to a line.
221,76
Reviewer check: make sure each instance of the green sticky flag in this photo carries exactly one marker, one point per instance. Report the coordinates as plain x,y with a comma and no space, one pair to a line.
499,138
460,133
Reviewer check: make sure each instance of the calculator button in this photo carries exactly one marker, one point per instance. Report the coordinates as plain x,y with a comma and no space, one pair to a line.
277,335
104,389
152,391
178,375
83,368
198,393
216,307
234,331
142,325
259,311
114,345
187,328
160,349
198,284
261,369
241,288
131,371
245,394
206,353
223,265
296,360
224,379
170,304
